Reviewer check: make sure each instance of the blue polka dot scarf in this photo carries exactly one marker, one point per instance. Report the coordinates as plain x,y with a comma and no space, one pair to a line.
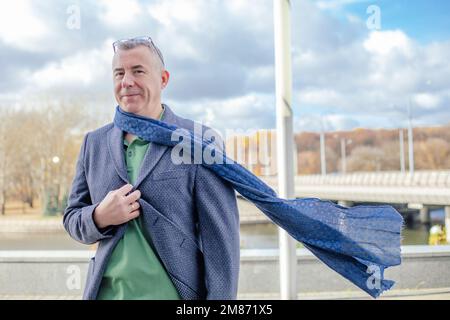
358,242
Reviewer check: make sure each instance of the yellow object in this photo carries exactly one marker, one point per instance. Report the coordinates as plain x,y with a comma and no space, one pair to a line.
437,235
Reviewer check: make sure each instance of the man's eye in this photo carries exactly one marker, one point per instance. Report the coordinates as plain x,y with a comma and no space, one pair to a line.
139,71
119,74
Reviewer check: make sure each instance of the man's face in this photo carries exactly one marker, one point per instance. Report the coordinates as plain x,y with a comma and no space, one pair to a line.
138,80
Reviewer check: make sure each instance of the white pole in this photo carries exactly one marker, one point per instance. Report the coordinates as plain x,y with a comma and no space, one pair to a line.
402,151
285,140
410,140
343,155
323,162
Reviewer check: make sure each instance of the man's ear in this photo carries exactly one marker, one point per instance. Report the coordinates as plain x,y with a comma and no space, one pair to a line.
164,79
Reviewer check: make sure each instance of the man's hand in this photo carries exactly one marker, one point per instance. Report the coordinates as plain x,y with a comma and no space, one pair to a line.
117,207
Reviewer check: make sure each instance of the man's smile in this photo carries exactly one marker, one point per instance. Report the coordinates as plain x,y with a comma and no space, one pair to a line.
131,95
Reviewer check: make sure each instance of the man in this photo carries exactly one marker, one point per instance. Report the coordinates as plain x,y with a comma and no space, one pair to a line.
164,230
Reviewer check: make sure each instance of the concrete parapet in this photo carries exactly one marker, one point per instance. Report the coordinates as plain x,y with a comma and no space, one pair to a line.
62,273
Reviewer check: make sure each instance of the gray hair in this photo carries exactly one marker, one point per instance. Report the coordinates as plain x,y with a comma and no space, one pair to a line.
132,43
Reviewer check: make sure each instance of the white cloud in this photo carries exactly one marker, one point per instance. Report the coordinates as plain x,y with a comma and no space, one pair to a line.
249,111
20,27
85,69
254,15
336,4
119,13
371,78
385,42
221,72
354,19
331,122
339,122
177,11
318,96
179,22
426,100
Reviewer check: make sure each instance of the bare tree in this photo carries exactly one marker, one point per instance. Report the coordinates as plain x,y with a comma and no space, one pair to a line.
38,151
7,150
365,159
308,162
432,154
391,155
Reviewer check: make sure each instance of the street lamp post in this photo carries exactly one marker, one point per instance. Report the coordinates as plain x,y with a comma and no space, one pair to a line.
52,192
323,162
344,143
56,161
410,140
402,150
285,140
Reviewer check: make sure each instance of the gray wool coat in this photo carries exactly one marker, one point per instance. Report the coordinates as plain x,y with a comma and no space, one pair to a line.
190,213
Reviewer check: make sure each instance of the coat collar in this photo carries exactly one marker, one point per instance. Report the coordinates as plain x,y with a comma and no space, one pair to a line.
151,158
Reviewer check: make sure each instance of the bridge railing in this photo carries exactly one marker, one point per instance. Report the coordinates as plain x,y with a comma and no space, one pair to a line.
423,187
387,178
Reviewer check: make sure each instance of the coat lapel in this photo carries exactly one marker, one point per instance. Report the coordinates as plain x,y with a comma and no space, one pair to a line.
115,147
155,151
153,155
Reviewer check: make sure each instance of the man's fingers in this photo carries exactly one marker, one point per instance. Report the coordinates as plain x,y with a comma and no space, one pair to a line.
124,190
134,214
133,206
133,197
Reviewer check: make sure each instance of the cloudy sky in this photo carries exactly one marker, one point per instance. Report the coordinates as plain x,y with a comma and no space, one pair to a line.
347,67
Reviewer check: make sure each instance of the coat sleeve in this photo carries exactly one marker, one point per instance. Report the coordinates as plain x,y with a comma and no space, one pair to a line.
78,220
219,233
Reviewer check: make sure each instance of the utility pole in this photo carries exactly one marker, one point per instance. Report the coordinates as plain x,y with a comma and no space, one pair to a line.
323,161
402,151
410,140
343,156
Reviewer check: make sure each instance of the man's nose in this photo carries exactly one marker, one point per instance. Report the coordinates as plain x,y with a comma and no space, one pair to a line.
127,80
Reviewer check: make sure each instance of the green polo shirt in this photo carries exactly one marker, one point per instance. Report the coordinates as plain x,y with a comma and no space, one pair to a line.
134,270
